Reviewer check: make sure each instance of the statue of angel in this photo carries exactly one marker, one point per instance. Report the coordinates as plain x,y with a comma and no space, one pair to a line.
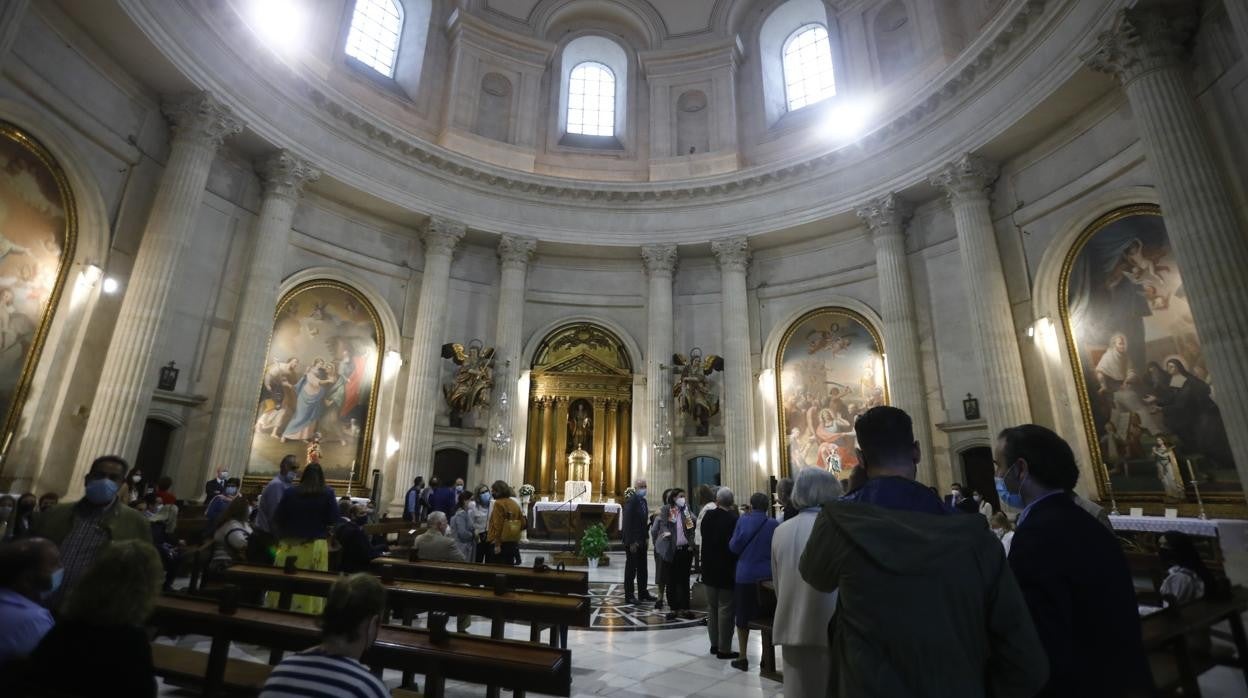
473,380
692,391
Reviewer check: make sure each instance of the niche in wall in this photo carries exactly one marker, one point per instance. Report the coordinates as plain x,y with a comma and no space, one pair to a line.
693,126
493,118
894,41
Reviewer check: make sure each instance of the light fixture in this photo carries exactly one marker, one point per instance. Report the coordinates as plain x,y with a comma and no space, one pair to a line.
501,435
111,285
662,428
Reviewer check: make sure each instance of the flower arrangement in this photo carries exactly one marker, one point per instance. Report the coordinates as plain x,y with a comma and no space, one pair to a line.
628,492
526,490
594,542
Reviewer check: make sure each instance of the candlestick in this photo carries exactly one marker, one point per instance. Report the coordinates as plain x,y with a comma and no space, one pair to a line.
1196,488
1113,503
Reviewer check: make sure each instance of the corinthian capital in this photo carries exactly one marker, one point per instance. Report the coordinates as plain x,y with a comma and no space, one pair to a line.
969,176
1150,36
886,215
659,259
514,250
284,174
199,118
733,254
442,235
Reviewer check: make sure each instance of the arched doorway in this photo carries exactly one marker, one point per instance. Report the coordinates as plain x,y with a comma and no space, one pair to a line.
154,448
978,473
449,464
703,470
580,396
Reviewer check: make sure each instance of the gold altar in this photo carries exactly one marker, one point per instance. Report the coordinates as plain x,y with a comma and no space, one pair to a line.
580,398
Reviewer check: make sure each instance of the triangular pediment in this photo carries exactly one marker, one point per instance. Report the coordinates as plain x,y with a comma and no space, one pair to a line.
584,363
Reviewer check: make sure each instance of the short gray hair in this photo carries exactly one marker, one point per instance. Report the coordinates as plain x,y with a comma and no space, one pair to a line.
435,518
815,487
724,497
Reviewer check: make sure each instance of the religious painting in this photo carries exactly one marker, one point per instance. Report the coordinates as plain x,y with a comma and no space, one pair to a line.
38,230
1149,401
319,387
829,370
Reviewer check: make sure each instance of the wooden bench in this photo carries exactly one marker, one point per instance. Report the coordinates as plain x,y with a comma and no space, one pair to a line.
181,667
1168,631
767,608
519,666
553,581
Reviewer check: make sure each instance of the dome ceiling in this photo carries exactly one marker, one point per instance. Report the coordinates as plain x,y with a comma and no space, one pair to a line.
679,17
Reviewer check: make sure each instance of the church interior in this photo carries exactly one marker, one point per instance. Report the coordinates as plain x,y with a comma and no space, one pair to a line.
577,248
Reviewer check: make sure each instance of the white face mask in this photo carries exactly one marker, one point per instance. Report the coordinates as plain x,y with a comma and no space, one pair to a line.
680,501
136,478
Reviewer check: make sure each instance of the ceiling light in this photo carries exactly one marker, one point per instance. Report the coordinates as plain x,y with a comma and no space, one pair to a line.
111,285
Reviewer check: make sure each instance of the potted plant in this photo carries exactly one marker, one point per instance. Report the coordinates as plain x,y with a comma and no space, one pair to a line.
593,544
526,495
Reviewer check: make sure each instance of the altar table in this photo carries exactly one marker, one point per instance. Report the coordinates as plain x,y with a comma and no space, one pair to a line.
1231,536
557,519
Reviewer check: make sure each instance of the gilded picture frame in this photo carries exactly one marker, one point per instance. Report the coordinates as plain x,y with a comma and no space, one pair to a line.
823,386
335,338
1151,421
34,265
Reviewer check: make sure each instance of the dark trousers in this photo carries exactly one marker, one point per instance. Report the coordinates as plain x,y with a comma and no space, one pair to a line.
510,552
678,579
483,549
635,572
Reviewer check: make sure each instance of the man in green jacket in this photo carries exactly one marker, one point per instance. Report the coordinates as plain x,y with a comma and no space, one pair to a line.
927,605
81,529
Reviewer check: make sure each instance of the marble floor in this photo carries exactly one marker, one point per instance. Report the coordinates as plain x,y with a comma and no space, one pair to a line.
654,663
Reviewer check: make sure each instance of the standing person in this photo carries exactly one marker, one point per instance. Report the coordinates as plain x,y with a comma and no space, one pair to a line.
101,633
927,604
784,495
660,565
216,485
442,498
8,512
262,543
23,516
706,502
83,528
719,570
1073,573
134,487
800,625
985,506
751,543
506,525
1001,527
481,523
636,535
955,495
462,527
349,626
673,530
411,501
30,569
304,516
229,539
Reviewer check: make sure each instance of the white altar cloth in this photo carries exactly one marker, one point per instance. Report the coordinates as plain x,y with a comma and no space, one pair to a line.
1232,535
609,507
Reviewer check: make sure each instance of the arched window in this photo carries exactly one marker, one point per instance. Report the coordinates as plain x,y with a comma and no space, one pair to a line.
591,100
373,40
808,74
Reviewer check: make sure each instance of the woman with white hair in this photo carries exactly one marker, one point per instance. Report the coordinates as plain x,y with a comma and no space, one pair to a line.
803,613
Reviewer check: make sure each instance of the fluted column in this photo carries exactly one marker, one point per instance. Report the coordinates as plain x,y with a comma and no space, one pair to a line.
124,392
660,263
966,181
738,470
514,253
886,218
1146,50
283,176
440,238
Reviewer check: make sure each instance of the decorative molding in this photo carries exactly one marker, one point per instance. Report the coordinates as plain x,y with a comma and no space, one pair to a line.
199,118
967,177
516,250
1145,38
186,399
659,259
733,254
284,174
887,215
442,235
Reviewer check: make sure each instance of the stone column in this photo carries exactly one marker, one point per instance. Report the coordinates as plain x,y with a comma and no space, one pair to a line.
1146,50
599,462
611,464
440,238
660,263
283,176
886,218
124,392
559,456
547,456
738,469
967,181
514,254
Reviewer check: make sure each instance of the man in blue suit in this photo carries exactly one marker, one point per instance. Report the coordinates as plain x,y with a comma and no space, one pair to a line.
636,535
1072,572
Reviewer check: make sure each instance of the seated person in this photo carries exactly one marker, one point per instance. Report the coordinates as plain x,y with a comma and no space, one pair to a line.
30,570
357,551
218,504
1187,577
229,540
349,626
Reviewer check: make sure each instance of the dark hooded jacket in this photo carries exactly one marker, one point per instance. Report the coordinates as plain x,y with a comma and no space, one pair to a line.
928,605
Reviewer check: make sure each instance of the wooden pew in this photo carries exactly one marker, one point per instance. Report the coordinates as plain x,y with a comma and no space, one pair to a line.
1170,628
763,623
180,666
560,610
519,666
553,581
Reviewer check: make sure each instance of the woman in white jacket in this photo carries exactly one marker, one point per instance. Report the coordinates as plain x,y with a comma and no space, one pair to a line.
802,613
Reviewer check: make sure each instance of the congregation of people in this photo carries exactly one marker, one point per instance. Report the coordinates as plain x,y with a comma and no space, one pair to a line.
881,586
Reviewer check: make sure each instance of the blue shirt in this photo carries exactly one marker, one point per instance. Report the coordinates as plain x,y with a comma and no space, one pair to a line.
751,543
1027,509
270,497
24,622
898,493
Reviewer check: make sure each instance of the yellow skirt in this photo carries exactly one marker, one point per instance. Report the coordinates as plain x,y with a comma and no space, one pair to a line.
309,555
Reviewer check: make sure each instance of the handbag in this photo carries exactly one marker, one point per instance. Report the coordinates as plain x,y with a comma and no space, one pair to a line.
513,527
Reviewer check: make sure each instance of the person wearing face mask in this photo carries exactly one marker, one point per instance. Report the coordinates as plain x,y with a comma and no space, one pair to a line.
459,485
263,539
30,570
357,552
636,536
462,526
481,523
955,496
219,503
8,508
135,486
672,532
216,486
82,529
349,626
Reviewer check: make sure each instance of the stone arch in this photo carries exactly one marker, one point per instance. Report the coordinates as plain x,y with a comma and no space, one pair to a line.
540,334
638,21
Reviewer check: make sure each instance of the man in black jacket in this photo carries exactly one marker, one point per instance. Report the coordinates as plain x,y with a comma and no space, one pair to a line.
1072,572
636,541
719,572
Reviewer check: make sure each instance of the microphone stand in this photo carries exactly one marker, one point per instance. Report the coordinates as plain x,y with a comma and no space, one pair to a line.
568,503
